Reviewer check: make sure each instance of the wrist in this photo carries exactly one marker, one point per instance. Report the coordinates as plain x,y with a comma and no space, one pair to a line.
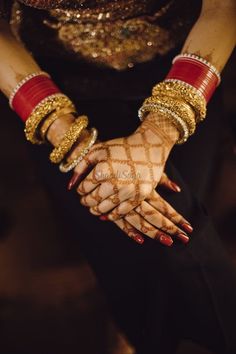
58,129
163,125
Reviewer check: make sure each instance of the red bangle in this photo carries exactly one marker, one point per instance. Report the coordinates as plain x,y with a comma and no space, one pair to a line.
31,93
195,72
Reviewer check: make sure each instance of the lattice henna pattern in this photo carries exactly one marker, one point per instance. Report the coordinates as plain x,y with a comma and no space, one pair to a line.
131,173
142,156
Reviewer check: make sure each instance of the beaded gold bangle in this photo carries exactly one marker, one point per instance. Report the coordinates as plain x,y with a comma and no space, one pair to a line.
48,105
176,120
86,146
52,118
179,107
69,139
181,90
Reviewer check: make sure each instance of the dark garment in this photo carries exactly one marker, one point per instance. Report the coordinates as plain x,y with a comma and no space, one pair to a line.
158,295
110,33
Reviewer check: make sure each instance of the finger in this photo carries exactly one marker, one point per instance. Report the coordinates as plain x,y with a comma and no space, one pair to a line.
123,209
98,174
88,184
154,217
130,231
114,200
166,209
94,198
166,182
73,181
137,221
106,205
76,178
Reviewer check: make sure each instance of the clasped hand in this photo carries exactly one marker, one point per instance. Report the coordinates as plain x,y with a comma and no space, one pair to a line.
120,180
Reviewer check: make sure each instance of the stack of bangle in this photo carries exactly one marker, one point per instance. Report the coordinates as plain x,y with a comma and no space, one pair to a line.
46,124
39,103
184,94
183,91
52,103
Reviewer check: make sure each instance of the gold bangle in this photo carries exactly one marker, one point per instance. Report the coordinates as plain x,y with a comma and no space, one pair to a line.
181,90
45,107
52,118
86,146
179,107
178,122
69,139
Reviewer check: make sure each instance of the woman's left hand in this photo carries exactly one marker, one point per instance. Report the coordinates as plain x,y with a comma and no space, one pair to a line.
157,219
123,171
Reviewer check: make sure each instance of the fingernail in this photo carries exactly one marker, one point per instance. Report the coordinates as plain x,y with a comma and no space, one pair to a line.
73,181
138,238
175,187
166,240
184,238
103,217
187,227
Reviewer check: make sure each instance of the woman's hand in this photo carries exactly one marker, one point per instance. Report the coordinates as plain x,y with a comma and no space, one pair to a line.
120,185
155,218
124,171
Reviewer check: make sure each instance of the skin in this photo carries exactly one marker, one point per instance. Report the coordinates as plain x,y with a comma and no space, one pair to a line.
135,207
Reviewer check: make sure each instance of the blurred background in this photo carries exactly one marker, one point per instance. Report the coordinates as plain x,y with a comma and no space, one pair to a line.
49,299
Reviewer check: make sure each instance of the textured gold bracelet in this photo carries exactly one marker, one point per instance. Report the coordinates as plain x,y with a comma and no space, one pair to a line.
69,139
85,147
181,90
176,120
45,107
52,118
179,107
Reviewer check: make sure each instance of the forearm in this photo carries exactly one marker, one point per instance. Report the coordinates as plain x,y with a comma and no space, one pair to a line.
213,36
15,64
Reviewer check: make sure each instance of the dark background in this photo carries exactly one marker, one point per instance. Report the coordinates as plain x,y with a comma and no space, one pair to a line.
49,299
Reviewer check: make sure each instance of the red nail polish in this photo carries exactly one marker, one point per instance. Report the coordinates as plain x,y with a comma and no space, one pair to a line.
73,181
103,217
184,238
187,227
166,240
138,238
175,187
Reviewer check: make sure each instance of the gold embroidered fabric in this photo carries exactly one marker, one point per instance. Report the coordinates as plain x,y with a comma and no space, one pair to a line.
116,34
